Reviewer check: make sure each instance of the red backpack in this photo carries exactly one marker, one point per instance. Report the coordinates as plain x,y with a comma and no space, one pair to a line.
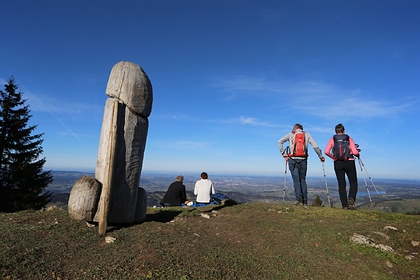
298,143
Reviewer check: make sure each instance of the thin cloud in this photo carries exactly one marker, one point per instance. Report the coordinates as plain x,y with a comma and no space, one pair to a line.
57,106
42,103
54,107
314,98
263,87
184,145
173,117
71,131
357,108
249,121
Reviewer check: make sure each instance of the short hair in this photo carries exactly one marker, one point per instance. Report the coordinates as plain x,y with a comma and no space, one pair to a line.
339,128
180,178
204,175
298,125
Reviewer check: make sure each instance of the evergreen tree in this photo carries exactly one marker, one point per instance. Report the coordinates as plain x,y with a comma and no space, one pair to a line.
22,180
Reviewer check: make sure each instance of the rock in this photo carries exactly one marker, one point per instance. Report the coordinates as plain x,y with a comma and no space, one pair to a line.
110,239
384,248
361,239
382,234
390,228
84,198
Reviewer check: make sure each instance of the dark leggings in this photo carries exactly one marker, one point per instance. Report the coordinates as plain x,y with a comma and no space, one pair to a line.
348,168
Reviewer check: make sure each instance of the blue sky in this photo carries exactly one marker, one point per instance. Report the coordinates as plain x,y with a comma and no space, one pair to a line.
229,79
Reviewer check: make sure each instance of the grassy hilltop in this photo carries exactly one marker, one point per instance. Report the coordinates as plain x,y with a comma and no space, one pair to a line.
246,241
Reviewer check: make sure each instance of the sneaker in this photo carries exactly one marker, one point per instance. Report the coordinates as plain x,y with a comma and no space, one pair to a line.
297,203
344,208
305,204
352,207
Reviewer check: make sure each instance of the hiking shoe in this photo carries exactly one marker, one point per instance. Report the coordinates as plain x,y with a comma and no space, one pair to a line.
297,203
352,204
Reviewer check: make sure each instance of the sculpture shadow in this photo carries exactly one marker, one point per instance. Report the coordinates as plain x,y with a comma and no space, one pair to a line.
225,203
163,216
160,217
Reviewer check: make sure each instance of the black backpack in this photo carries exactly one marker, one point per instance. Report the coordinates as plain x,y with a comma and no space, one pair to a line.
341,148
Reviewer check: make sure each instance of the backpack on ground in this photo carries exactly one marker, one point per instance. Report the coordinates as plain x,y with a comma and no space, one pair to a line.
341,148
298,145
219,197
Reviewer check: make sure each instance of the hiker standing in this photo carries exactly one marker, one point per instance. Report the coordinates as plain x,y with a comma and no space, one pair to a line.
204,189
176,194
297,156
342,150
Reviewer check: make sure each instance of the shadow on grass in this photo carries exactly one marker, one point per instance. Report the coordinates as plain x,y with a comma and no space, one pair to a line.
225,203
163,216
166,215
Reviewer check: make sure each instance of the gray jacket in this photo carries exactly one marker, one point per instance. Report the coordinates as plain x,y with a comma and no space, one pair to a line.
308,139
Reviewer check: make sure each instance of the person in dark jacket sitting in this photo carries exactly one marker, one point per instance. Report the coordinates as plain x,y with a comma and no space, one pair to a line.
176,194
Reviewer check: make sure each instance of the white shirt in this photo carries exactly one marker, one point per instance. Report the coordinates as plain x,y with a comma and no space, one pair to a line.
203,190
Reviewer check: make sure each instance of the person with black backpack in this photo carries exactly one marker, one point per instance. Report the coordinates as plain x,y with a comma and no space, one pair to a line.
342,150
296,155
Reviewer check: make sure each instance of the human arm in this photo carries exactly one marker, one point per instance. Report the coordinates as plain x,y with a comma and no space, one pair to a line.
353,148
282,140
183,193
314,145
196,188
328,148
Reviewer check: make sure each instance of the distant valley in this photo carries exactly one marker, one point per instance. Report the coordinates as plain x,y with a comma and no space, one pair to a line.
398,196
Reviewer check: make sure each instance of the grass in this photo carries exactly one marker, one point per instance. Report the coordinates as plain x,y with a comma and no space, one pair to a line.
248,241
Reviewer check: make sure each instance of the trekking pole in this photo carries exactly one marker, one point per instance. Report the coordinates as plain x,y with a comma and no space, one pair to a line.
284,184
364,178
326,185
361,162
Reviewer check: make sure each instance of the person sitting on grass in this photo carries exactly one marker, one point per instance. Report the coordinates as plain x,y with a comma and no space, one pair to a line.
176,194
204,189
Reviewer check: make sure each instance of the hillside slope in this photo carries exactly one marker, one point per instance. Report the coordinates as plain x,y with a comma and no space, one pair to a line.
246,241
